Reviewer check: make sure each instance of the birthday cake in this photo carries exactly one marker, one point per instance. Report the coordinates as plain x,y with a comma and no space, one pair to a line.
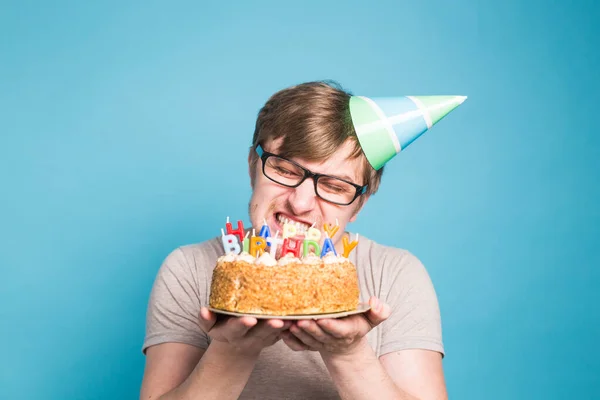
282,281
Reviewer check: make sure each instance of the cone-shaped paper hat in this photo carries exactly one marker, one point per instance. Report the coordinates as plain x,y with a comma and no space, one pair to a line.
387,125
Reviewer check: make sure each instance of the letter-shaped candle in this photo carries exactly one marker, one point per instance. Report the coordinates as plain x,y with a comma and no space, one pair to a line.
348,246
257,246
313,234
327,247
230,243
246,243
239,231
331,231
289,230
265,231
274,242
311,245
290,246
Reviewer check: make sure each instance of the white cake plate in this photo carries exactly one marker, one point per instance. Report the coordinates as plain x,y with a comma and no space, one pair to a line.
362,307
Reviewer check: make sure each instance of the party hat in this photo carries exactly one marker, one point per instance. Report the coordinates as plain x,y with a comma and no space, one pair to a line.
387,125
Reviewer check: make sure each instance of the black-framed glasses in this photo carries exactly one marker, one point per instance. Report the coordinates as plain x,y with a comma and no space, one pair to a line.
291,174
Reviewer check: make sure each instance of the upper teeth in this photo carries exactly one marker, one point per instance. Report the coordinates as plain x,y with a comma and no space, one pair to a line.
301,227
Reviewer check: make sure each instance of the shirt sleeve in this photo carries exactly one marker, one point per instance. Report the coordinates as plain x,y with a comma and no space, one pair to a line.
174,305
415,322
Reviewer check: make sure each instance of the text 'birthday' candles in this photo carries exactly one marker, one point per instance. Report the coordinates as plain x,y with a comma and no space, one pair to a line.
291,242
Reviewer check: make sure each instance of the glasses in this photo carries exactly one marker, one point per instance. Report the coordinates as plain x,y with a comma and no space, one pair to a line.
288,173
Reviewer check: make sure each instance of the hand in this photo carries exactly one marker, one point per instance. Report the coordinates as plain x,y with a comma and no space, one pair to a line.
245,335
338,336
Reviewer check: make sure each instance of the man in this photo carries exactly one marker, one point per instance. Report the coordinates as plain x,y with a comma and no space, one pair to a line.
315,157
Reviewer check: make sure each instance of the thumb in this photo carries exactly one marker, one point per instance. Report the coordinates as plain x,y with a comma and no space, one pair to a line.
378,312
207,319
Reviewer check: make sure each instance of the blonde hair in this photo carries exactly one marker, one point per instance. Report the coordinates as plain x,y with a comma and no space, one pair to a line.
313,120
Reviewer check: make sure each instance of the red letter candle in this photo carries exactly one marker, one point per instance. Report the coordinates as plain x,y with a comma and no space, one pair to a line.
291,246
239,231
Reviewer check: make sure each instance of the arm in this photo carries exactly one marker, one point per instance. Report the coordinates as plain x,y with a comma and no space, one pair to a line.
418,371
179,371
189,353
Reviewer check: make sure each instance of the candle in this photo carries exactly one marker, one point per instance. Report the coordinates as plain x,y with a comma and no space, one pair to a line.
328,247
265,232
311,245
273,241
348,246
257,245
313,234
230,243
290,246
289,230
331,231
246,243
239,231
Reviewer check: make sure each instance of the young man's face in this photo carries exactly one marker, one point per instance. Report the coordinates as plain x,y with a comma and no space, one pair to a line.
279,204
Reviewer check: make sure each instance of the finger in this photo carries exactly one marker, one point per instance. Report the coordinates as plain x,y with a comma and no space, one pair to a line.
238,327
207,319
292,342
306,338
378,312
337,328
266,328
314,330
279,324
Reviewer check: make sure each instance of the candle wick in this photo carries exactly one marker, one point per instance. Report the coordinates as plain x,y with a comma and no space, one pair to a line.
313,225
253,232
247,233
336,222
222,232
227,219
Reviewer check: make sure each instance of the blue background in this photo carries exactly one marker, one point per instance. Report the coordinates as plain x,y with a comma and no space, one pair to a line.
124,130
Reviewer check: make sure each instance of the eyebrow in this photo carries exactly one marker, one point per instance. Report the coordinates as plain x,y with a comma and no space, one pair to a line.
344,177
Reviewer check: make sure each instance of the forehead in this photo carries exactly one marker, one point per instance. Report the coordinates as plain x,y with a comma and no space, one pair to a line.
340,164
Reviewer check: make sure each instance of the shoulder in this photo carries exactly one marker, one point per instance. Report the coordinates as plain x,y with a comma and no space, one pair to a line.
208,250
391,269
370,252
194,256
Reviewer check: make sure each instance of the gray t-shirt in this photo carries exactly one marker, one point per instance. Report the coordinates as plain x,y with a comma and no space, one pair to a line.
395,276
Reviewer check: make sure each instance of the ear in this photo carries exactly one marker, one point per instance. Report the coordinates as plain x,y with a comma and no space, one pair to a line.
359,207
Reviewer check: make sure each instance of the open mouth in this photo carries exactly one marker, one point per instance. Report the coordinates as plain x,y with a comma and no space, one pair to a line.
301,227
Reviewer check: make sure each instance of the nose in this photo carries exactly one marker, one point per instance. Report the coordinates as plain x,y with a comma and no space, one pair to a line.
303,197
